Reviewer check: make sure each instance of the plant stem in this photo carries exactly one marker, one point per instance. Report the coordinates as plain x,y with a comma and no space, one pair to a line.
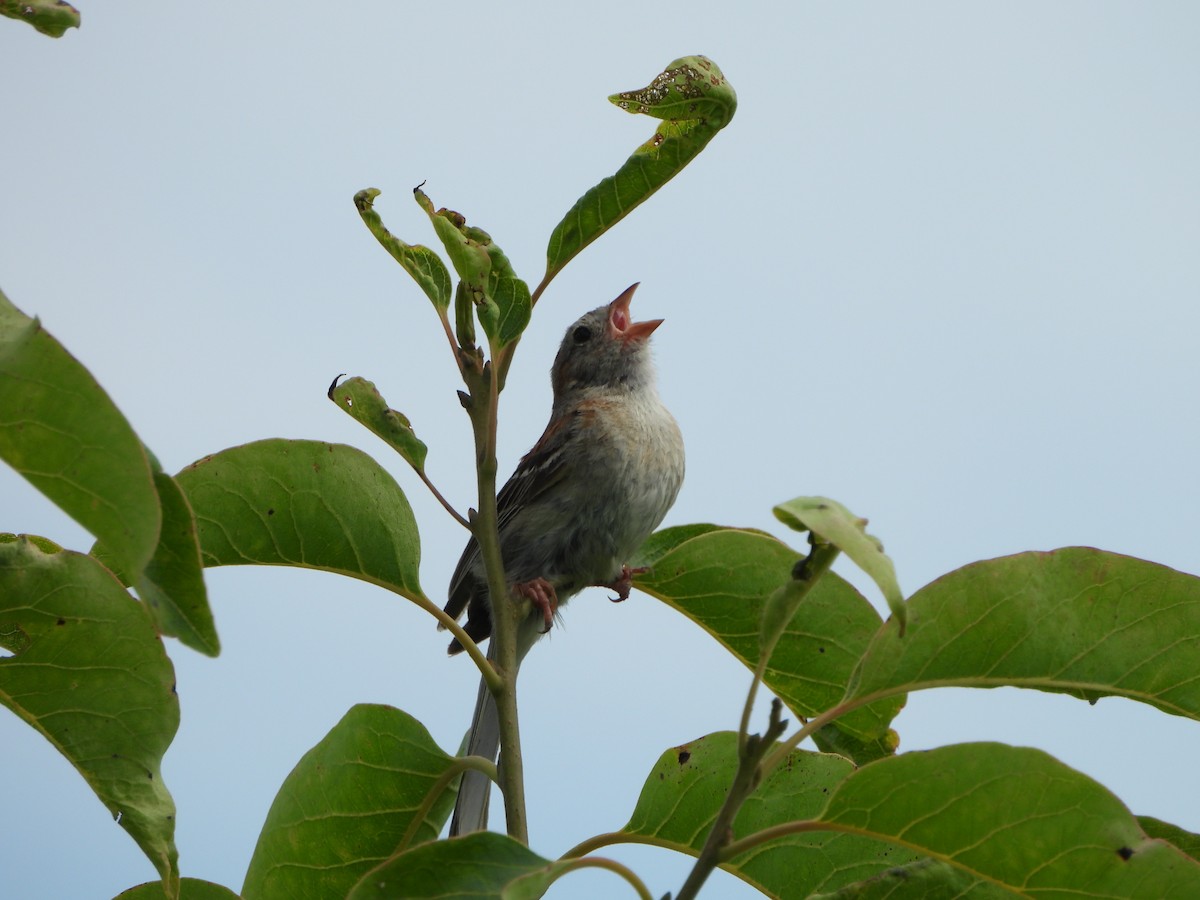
457,516
805,575
506,616
745,781
752,748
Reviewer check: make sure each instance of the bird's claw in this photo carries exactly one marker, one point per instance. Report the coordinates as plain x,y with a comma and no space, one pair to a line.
624,583
541,594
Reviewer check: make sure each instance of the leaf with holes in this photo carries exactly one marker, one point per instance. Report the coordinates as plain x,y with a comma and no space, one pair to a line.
687,786
693,101
363,402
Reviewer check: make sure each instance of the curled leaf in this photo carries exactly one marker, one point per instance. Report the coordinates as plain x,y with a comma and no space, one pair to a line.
840,527
488,283
366,405
425,266
694,102
50,17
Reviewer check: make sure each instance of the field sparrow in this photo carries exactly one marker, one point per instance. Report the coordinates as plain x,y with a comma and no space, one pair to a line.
594,486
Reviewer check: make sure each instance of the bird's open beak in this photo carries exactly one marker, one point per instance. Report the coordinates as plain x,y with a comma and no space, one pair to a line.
621,326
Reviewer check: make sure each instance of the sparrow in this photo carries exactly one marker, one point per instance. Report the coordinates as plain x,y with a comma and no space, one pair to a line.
595,485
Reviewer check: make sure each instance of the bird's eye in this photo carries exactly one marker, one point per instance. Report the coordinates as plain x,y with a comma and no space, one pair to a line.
582,334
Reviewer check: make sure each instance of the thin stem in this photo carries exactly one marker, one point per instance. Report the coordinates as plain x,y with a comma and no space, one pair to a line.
445,320
805,576
456,768
486,669
458,517
599,862
812,726
750,841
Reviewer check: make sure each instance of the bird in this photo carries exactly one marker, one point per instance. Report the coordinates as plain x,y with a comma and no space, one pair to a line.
600,479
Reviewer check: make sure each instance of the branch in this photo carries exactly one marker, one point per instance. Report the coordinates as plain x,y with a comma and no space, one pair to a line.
482,407
747,779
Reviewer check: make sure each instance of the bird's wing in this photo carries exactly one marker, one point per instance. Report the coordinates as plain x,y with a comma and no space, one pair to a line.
539,471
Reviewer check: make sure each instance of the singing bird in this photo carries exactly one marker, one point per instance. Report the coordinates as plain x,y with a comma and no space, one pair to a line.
595,485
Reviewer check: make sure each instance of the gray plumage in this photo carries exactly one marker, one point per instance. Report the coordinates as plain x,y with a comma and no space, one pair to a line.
592,489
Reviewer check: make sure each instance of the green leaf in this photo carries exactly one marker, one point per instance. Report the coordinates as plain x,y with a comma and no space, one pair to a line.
1076,621
514,309
425,266
721,578
1186,841
840,527
500,299
61,431
363,402
51,17
467,253
685,790
88,671
189,889
925,879
347,805
475,867
1013,816
694,101
172,584
308,504
831,739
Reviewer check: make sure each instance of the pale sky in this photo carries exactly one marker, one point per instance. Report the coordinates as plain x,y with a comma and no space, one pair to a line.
942,267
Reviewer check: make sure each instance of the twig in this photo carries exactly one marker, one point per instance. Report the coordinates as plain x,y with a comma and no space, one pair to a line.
745,781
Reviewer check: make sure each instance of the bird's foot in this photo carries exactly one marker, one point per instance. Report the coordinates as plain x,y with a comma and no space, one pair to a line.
541,594
624,582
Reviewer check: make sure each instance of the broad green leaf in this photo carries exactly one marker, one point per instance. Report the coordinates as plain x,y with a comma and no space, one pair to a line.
1186,841
50,17
685,790
172,584
694,101
721,579
308,504
925,879
425,266
61,431
362,400
844,530
1013,816
346,806
87,670
189,889
475,867
1076,621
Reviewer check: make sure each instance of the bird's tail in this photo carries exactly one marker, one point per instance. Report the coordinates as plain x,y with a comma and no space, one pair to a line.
471,810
